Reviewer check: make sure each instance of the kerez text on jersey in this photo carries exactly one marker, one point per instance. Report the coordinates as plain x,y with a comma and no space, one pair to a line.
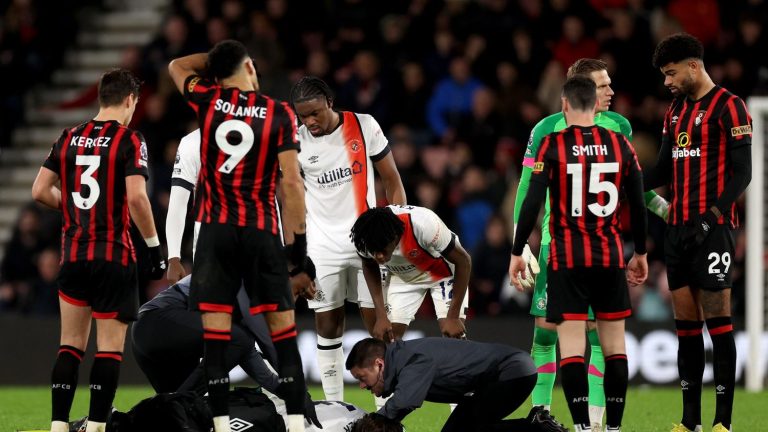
240,111
81,141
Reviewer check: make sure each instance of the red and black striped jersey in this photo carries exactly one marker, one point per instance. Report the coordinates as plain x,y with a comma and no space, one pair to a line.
701,134
92,161
585,169
241,134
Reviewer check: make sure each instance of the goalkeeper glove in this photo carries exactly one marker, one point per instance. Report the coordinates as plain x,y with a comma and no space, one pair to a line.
532,268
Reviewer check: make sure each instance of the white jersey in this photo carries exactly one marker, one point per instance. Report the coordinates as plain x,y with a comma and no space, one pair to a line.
417,258
338,176
335,416
186,169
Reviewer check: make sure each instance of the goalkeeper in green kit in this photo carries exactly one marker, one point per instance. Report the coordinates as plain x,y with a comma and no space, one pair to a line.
545,333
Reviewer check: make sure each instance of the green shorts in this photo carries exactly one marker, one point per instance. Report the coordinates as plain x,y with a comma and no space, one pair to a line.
539,299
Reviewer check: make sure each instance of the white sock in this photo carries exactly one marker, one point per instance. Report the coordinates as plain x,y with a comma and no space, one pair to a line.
330,359
596,415
95,427
380,401
221,424
59,426
295,423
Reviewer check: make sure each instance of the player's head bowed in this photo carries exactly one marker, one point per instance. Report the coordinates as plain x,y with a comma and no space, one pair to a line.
226,59
677,48
579,91
311,87
376,229
374,422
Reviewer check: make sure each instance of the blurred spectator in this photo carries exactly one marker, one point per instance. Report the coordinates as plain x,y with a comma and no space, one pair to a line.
474,210
19,262
365,91
700,18
482,127
411,97
452,98
574,43
490,262
43,296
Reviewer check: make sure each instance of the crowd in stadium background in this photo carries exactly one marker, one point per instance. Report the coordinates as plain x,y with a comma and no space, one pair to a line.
456,85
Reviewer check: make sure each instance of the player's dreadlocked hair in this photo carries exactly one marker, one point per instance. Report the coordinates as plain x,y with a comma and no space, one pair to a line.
676,48
375,229
310,87
374,422
224,58
585,66
364,352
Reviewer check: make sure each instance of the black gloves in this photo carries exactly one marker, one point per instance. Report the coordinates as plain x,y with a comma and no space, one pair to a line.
309,412
296,251
699,230
158,263
307,267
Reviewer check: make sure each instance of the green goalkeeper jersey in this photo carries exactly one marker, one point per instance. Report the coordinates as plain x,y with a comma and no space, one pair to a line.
555,123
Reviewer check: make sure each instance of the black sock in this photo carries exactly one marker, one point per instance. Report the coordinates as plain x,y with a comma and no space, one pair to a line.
724,365
690,366
576,388
105,373
64,381
290,369
216,374
615,385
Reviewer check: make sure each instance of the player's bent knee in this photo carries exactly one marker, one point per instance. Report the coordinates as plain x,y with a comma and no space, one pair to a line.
280,320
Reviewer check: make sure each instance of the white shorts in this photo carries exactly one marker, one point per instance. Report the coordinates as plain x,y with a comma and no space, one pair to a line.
404,300
339,281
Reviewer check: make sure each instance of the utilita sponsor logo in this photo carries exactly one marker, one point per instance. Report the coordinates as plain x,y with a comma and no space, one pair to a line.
339,174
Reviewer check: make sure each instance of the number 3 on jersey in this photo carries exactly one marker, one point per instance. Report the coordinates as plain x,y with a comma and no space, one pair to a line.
596,186
87,179
236,152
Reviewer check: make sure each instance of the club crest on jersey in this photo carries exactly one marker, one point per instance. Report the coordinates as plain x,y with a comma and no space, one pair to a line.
538,167
413,253
699,118
355,145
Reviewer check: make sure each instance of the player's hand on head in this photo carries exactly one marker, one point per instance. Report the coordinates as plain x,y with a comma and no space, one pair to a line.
532,268
176,270
637,270
453,328
158,263
517,272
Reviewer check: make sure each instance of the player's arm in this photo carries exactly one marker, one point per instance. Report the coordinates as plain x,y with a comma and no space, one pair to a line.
294,211
458,256
637,269
174,230
393,185
737,126
45,189
184,67
413,383
372,274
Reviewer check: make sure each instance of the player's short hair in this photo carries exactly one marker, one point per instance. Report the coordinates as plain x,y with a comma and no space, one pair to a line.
374,422
310,87
581,92
115,85
375,229
676,48
224,58
364,352
585,66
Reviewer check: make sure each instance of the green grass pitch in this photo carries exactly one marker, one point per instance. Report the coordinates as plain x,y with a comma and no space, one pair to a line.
648,409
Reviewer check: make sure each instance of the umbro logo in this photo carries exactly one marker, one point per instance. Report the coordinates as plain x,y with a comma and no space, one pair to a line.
720,389
314,159
684,384
238,424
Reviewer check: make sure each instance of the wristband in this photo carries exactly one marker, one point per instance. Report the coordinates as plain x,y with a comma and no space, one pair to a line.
152,241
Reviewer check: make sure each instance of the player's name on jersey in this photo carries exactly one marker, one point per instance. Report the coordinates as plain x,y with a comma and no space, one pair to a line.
590,150
240,111
81,141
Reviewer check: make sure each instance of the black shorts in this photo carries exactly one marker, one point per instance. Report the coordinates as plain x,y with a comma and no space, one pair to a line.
707,267
227,255
570,293
110,289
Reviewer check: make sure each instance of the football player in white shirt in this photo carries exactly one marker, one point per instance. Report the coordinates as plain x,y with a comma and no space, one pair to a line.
339,151
422,256
183,181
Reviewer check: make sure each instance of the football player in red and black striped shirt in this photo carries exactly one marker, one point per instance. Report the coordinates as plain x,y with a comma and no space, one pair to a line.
102,167
246,137
586,167
705,161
